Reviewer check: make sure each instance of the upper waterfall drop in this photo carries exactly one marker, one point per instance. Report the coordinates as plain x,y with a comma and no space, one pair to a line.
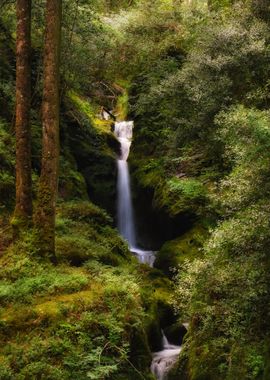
124,131
125,216
125,219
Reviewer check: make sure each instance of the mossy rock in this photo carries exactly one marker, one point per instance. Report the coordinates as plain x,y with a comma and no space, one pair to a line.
75,250
84,211
187,247
180,195
154,336
166,314
94,147
100,175
107,249
140,354
85,233
172,194
180,369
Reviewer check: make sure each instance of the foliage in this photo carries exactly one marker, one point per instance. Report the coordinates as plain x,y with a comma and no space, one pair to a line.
175,252
84,316
177,194
195,78
201,146
7,180
211,291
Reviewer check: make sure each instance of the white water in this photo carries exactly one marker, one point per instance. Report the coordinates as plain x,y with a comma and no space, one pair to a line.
144,257
125,216
164,360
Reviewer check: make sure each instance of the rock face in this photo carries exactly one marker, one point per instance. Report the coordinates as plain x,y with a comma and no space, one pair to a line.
154,226
94,148
175,333
174,252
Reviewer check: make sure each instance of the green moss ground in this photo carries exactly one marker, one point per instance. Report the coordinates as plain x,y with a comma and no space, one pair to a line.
87,317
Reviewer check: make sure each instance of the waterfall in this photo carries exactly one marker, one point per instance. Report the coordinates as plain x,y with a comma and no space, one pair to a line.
125,218
125,211
164,360
165,342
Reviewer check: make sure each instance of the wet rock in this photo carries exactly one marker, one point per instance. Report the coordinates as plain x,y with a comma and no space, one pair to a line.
175,333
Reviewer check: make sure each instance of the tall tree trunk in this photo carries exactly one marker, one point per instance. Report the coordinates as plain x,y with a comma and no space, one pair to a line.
48,183
23,208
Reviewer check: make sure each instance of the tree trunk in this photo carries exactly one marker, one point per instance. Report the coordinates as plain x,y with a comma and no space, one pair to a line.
48,183
23,208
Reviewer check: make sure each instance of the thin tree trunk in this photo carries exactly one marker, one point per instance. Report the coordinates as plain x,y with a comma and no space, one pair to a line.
48,184
23,208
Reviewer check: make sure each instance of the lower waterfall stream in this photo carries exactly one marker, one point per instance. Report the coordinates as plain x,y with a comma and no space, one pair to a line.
163,360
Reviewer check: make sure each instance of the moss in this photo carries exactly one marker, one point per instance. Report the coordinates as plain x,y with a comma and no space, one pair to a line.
187,247
83,317
7,164
84,211
180,369
122,106
84,232
148,172
78,249
74,249
72,184
78,332
157,303
20,223
180,195
94,147
91,110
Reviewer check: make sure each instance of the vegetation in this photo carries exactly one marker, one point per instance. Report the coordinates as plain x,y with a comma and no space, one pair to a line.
70,311
195,78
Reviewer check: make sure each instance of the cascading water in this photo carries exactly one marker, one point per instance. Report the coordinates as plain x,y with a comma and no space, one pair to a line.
125,211
163,360
125,218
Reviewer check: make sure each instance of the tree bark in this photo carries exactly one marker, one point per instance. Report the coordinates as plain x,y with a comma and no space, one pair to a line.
23,208
48,183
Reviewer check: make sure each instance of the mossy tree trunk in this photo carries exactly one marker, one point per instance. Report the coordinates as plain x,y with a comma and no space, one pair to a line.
23,208
48,183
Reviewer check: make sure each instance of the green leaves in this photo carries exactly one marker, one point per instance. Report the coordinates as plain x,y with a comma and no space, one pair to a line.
180,195
245,133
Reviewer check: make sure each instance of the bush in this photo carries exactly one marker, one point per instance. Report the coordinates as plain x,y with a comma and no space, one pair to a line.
180,195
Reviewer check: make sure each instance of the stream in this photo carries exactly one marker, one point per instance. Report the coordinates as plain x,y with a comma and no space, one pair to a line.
163,360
